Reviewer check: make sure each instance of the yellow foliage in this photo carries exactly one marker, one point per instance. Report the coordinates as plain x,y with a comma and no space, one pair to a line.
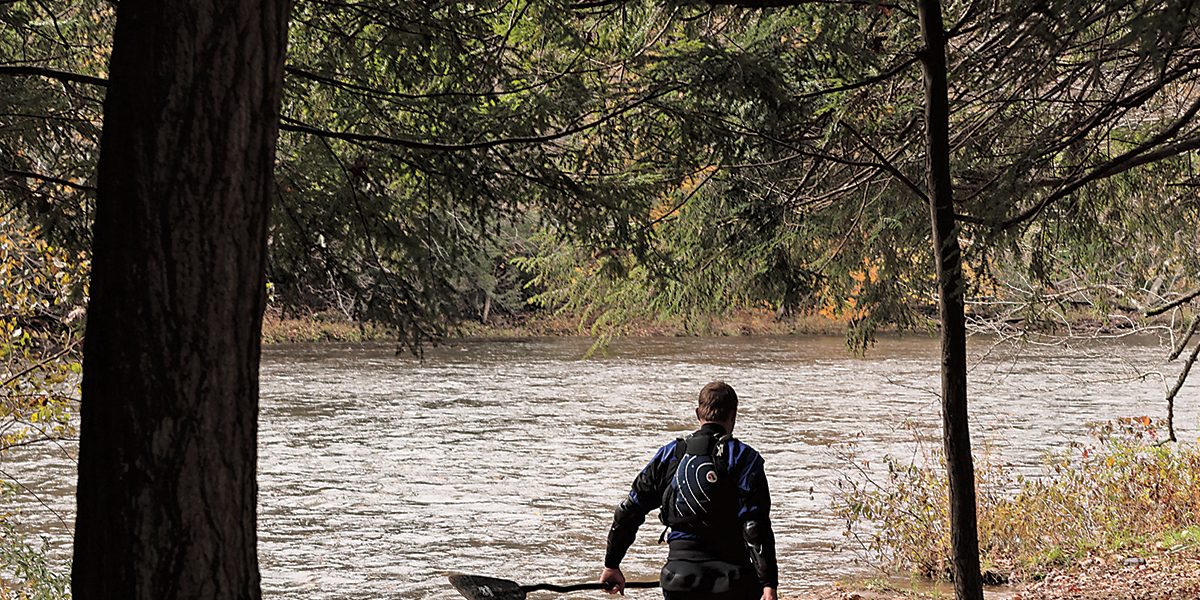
848,310
675,203
40,303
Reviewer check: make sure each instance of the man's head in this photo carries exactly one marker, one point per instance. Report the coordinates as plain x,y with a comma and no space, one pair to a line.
718,404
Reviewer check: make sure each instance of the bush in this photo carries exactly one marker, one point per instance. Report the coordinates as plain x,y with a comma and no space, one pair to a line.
25,572
41,308
1123,493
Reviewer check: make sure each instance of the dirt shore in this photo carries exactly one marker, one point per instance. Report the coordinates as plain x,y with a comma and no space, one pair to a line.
1168,575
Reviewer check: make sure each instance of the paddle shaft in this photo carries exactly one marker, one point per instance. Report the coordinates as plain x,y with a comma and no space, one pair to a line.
550,587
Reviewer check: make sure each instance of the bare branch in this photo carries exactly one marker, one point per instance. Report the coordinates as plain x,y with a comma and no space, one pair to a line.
886,165
48,179
1188,297
1183,375
55,74
1184,342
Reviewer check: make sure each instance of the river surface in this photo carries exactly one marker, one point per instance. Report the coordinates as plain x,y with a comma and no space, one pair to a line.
379,474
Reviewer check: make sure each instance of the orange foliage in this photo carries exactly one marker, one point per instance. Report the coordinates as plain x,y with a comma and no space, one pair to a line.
849,309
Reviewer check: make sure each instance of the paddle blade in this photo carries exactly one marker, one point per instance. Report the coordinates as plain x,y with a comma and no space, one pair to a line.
478,587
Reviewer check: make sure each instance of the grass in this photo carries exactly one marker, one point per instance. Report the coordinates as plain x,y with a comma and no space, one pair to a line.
1124,494
333,327
321,328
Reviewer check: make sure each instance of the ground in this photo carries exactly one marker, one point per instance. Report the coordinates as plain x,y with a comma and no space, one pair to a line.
1166,576
1163,577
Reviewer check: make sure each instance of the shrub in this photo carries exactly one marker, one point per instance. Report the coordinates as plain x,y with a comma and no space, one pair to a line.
25,572
1124,492
41,308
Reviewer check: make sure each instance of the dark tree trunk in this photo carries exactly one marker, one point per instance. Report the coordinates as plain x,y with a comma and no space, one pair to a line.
167,453
1174,391
951,290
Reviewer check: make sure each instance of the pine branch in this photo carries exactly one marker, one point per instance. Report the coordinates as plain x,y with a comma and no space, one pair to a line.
293,125
1143,154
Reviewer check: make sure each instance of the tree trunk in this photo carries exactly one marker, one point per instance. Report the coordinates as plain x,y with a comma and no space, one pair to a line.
167,457
951,289
1174,391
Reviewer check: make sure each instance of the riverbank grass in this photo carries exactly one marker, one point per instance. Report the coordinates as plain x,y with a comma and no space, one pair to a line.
1125,497
334,327
321,327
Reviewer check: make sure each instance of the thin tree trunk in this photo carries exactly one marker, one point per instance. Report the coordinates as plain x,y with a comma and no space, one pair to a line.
1174,391
964,537
167,458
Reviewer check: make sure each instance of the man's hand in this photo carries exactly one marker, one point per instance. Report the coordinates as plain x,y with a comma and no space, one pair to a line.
614,581
769,593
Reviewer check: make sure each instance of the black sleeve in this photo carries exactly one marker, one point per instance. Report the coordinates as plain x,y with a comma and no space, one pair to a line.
756,526
631,513
626,521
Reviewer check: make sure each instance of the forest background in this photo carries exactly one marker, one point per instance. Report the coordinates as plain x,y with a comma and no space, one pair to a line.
620,164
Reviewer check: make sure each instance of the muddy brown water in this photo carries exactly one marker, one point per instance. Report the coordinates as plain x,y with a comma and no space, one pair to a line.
379,474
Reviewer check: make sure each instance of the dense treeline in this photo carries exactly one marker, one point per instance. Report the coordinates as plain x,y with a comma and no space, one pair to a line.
440,161
689,160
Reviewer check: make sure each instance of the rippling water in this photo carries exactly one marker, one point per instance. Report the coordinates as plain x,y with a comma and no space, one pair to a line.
380,474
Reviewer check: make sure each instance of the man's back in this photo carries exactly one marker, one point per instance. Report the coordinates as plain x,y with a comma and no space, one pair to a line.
721,543
746,480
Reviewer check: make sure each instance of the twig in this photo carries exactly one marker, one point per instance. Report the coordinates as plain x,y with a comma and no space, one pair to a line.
296,126
1187,367
49,179
1188,297
1183,342
55,74
44,504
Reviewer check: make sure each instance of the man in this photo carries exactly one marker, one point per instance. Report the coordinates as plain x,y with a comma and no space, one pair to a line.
712,492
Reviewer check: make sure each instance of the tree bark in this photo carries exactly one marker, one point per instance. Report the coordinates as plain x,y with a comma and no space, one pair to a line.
167,457
964,535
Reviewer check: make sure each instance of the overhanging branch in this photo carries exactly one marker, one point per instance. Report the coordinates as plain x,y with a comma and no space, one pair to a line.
64,76
1188,297
1150,151
49,179
293,125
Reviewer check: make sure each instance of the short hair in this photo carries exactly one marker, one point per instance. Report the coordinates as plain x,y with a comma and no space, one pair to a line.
718,402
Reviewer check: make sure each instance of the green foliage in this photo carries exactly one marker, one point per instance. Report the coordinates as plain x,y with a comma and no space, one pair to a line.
41,304
1126,492
806,122
25,573
728,157
49,128
490,120
40,336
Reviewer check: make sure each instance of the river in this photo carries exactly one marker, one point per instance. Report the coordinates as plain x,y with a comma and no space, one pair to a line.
379,474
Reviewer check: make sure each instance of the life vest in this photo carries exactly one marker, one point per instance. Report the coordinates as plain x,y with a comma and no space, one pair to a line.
699,494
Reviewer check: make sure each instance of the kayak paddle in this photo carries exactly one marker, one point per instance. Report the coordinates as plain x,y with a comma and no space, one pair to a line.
478,587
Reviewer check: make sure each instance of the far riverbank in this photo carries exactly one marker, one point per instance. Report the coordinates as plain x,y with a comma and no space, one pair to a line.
332,327
335,327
